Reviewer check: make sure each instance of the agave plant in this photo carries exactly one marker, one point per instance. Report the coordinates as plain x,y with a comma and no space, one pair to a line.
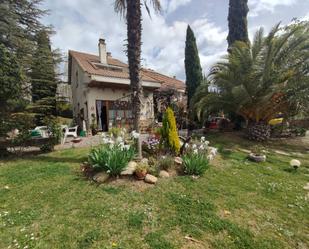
258,80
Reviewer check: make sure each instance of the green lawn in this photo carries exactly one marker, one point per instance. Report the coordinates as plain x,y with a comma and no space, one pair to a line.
44,203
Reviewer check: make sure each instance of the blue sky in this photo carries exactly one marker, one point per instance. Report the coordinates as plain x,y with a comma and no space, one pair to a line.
80,23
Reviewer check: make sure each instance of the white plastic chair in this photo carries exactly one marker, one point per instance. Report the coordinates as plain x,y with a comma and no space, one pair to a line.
43,131
69,131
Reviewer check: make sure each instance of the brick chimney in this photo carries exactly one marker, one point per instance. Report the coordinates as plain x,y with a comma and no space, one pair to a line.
102,51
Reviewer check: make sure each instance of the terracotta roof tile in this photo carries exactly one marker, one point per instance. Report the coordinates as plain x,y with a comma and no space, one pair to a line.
115,68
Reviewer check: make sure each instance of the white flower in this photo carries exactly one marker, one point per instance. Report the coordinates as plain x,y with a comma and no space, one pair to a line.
194,146
187,146
213,151
206,143
127,147
105,140
119,139
135,134
202,147
210,157
6,187
195,151
202,139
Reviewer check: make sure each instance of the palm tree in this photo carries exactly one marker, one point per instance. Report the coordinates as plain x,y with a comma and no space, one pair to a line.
131,9
254,81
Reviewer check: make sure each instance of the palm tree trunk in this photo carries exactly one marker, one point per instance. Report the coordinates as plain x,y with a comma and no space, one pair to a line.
134,29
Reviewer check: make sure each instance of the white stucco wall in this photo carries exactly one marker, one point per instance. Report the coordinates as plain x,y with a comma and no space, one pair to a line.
82,94
79,87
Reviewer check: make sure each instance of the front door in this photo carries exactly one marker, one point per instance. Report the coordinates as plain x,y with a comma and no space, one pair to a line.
102,118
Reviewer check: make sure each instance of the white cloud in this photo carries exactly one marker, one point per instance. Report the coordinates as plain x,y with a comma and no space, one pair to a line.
175,4
258,6
163,43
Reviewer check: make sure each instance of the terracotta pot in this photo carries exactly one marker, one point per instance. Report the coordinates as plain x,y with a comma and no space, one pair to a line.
140,175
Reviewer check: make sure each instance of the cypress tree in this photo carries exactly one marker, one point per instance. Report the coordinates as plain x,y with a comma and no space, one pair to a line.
43,78
237,21
194,74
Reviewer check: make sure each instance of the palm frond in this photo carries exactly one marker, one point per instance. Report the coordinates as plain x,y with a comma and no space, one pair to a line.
120,6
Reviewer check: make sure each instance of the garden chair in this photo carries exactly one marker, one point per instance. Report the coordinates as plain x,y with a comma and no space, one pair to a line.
69,131
43,130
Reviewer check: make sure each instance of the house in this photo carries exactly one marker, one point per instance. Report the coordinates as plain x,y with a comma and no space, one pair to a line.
101,89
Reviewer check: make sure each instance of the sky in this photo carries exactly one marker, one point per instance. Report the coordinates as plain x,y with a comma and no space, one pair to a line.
80,23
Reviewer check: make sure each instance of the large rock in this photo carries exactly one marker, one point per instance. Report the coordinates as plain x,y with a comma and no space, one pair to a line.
150,179
100,177
130,169
164,174
178,160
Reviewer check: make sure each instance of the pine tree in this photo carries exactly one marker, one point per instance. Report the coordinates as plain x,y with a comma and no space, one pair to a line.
237,19
19,20
43,78
11,77
194,74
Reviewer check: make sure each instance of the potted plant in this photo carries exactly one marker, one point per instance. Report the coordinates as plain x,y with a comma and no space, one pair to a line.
257,154
141,170
93,126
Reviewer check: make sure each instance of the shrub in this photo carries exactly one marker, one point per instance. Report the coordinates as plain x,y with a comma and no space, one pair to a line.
166,162
169,134
114,131
111,158
55,134
151,145
195,164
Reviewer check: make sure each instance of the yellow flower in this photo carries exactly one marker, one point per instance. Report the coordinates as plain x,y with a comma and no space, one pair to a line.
114,244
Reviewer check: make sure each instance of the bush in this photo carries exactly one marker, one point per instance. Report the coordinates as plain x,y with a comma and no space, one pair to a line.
166,162
111,158
169,134
195,164
55,134
151,145
114,131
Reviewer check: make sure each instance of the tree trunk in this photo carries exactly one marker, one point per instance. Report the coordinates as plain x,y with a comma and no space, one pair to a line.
259,131
134,33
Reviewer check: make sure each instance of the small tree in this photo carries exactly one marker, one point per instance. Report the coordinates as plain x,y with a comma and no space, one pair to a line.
194,75
169,133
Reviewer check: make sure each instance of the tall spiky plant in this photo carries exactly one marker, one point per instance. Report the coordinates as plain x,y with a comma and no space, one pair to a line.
131,9
256,82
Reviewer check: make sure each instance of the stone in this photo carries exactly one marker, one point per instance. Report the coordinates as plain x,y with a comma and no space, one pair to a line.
178,160
100,177
130,169
144,160
295,163
164,174
281,152
244,150
151,179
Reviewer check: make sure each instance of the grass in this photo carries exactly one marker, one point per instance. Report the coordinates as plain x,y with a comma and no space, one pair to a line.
236,204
